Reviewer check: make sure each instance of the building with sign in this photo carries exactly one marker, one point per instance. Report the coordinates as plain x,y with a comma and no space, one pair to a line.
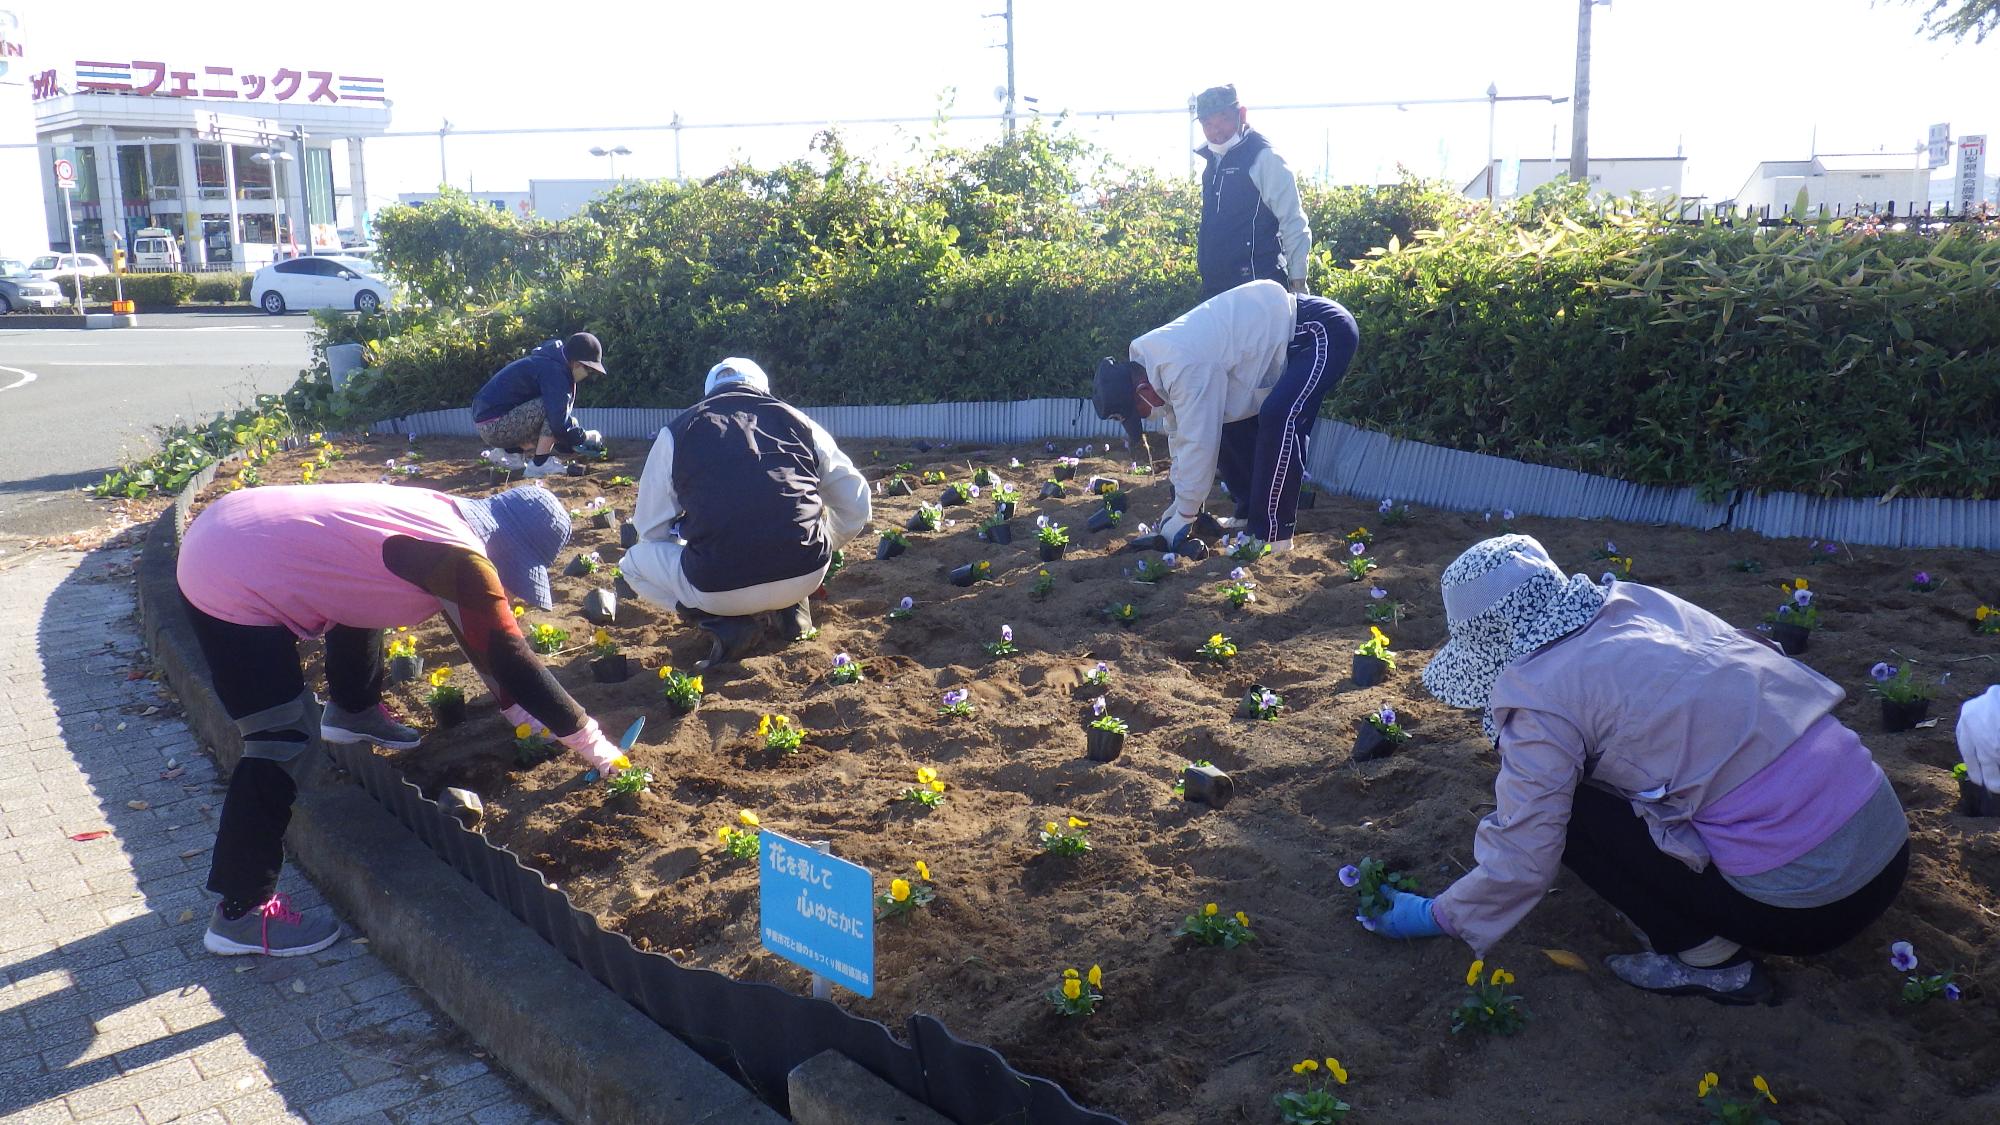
1867,180
240,164
23,223
545,199
1651,177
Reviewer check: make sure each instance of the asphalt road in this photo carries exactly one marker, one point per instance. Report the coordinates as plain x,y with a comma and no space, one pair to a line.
73,404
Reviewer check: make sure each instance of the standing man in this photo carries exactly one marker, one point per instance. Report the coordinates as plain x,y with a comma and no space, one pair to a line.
526,406
1237,382
1252,224
742,503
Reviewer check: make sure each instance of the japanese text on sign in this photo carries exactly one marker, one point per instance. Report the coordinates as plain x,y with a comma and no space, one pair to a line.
817,911
153,78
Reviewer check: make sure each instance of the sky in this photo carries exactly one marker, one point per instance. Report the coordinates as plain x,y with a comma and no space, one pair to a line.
1727,82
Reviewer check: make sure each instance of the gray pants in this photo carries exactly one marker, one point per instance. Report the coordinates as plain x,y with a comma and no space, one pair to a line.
519,428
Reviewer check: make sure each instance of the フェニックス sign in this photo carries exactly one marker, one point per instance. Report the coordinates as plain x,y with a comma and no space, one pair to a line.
817,911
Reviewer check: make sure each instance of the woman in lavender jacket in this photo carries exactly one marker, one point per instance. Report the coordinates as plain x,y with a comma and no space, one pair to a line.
1685,770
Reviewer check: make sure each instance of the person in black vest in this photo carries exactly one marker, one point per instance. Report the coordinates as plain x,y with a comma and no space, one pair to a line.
1252,224
741,505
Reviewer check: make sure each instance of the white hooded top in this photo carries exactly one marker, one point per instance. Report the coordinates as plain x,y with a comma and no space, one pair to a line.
1215,364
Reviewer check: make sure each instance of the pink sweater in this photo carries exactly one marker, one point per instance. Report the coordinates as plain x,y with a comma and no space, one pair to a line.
308,557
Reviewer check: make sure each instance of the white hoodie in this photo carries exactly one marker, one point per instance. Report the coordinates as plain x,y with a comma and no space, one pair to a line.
1215,364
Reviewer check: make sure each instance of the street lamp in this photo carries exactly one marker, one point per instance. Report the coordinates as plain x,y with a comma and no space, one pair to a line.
274,158
613,154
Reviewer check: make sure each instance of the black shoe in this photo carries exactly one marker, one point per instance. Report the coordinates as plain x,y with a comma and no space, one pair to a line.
1740,982
795,622
729,639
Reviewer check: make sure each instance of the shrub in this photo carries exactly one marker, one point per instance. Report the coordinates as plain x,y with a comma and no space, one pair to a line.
221,288
147,290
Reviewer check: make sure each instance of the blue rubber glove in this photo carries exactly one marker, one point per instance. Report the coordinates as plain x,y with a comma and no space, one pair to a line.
1409,916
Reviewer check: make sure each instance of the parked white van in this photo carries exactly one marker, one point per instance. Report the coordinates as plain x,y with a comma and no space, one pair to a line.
154,248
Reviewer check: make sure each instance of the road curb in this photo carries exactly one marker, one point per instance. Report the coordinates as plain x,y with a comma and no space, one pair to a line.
572,1041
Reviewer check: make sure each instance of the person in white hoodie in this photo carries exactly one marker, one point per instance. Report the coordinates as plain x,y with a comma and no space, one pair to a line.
1237,383
741,505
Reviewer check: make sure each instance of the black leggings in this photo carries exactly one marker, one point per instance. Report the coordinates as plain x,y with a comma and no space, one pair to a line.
255,668
1611,849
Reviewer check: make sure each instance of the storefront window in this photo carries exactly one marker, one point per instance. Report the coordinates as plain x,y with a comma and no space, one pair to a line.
253,177
210,172
163,170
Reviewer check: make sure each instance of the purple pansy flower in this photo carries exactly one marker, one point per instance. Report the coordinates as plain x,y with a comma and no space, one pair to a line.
1367,923
954,697
1882,672
1388,716
1610,548
1169,559
1269,698
1356,549
1238,574
1923,578
1951,992
1351,875
1902,957
1097,706
1506,513
972,490
1387,506
1784,609
842,660
1041,522
1007,633
1803,597
907,603
1377,592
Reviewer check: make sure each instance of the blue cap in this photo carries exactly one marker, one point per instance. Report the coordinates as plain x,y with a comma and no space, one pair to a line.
524,529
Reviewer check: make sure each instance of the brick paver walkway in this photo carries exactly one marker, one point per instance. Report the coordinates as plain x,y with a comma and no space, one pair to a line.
110,1010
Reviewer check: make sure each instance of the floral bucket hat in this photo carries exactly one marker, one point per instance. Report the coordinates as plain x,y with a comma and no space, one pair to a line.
1503,599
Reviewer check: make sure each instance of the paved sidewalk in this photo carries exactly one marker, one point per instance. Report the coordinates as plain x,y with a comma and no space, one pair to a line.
110,1010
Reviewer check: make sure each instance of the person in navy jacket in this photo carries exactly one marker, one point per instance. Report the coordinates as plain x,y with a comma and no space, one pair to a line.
1252,223
527,406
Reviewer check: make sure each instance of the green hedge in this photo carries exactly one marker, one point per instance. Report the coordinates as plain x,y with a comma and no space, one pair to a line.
1821,359
171,290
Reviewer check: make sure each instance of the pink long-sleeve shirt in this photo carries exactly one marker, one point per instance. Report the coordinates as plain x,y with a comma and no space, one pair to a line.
1687,717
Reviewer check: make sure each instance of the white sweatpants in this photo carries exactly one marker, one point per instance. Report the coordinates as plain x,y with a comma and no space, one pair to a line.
653,567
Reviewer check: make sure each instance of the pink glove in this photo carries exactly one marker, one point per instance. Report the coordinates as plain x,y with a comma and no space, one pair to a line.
516,715
590,744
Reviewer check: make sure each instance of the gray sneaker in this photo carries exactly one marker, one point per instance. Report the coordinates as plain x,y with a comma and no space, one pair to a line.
273,929
373,725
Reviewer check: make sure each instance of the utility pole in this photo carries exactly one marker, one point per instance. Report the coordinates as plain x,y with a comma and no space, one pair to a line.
443,176
1492,116
1579,129
1008,16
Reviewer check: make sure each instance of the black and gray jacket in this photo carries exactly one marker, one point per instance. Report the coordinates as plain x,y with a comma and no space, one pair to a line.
760,492
1252,224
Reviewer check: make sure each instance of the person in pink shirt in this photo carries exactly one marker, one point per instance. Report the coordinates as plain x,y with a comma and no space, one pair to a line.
263,568
1685,770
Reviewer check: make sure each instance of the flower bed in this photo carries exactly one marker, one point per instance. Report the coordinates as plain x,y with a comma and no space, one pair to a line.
1188,1033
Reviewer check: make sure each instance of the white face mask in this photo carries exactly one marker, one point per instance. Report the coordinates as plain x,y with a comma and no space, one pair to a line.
1220,149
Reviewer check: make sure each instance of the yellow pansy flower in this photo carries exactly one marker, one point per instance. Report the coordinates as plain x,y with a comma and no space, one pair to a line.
749,818
601,637
696,685
1096,977
926,775
523,731
1472,974
1502,976
520,611
899,890
1216,640
1069,973
1799,584
723,833
764,725
1982,613
666,670
439,676
1052,827
1072,988
1309,1064
1209,910
1375,634
937,786
923,871
1078,822
1338,1071
1242,919
1298,1068
1708,1082
1764,1088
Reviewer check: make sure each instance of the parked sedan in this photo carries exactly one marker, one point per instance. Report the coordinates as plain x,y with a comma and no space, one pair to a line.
318,283
21,289
62,267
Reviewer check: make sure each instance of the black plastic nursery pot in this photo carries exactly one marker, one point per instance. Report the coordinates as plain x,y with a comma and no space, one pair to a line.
1101,520
1052,490
1096,485
916,523
998,533
952,495
1206,785
606,519
1791,638
611,669
1117,501
1975,799
889,548
1903,714
1369,670
1103,745
628,535
577,568
965,575
600,607
449,714
1064,472
1247,706
577,470
679,708
404,669
897,486
1307,498
1049,553
1004,509
1370,743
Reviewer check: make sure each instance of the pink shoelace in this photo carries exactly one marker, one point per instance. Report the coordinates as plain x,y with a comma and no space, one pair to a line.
276,907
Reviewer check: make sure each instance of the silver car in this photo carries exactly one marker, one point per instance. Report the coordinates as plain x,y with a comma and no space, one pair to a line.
20,289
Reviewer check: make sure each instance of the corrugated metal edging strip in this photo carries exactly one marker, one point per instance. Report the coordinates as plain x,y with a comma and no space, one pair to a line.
1899,523
1351,461
758,1031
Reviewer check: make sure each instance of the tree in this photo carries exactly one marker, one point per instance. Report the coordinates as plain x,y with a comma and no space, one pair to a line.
1956,19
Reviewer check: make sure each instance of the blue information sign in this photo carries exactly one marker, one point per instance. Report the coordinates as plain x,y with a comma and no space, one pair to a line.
817,911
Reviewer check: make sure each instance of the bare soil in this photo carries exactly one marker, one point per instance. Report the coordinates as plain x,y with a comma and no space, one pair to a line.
1187,1034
